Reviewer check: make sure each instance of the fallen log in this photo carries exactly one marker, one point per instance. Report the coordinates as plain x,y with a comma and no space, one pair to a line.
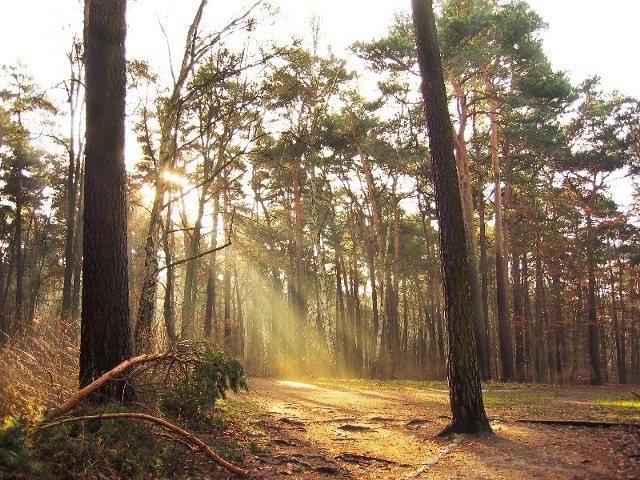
570,423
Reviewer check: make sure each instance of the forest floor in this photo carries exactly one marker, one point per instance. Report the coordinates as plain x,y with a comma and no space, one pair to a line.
387,430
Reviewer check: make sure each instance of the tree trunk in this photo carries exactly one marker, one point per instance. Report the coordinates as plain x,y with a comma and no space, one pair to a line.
504,327
466,199
395,352
359,352
465,392
541,322
621,347
106,330
166,158
169,309
210,317
298,293
19,256
190,289
320,274
518,315
482,240
559,329
226,274
593,330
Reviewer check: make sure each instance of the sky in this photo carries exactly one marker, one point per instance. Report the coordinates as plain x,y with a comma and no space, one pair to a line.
584,37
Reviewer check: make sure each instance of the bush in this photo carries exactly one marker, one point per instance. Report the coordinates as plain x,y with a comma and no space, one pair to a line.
192,395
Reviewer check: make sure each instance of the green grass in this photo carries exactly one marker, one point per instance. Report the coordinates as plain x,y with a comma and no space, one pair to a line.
503,398
623,406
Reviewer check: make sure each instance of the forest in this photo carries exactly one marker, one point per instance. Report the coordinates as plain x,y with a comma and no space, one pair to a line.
281,208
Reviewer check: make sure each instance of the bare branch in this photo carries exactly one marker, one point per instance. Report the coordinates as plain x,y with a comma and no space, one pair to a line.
202,254
81,394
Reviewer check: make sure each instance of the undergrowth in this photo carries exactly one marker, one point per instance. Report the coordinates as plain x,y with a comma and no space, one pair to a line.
183,393
38,367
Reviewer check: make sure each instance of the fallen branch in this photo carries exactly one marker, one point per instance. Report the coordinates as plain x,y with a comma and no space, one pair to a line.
571,423
159,421
81,394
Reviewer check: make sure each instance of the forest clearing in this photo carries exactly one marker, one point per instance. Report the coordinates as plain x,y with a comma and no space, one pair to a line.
387,430
201,252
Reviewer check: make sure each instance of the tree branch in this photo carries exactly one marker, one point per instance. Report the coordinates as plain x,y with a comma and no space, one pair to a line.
158,421
81,394
185,260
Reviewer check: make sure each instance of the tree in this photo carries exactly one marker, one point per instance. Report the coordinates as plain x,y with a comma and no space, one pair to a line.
465,391
23,171
600,146
105,324
75,150
171,115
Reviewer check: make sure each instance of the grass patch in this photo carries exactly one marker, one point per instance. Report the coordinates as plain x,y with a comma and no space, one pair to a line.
623,406
503,398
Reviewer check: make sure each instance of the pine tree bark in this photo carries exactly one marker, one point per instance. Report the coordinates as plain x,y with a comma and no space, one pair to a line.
468,414
466,198
105,327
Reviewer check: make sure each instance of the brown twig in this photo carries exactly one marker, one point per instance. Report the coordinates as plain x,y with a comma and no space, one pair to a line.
158,421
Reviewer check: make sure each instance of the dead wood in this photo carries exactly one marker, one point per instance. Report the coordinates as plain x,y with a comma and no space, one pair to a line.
199,444
382,419
285,442
430,463
571,423
286,459
83,393
634,393
333,420
327,469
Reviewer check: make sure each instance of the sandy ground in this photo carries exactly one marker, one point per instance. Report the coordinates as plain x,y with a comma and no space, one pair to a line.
308,431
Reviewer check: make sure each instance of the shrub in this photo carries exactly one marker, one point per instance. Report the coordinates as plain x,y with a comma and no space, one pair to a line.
192,395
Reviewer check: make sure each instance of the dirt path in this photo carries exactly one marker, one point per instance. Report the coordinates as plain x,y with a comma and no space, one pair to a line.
311,431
